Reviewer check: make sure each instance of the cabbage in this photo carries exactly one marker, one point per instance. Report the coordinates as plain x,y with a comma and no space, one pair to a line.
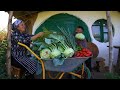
69,52
61,49
45,53
80,36
55,53
66,50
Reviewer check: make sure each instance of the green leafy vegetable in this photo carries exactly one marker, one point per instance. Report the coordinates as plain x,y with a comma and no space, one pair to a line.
69,37
45,53
54,51
80,36
69,52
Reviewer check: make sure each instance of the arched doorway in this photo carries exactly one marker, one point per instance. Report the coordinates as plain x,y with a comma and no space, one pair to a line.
64,20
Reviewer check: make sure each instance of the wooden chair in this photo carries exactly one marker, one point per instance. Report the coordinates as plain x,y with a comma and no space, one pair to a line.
15,72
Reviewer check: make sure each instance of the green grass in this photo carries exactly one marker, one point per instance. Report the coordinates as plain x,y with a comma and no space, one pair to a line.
112,76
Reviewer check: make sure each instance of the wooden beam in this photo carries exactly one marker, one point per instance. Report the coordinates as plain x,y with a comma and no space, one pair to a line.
8,55
110,41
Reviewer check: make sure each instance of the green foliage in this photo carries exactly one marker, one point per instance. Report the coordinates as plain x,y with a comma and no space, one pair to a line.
112,76
3,48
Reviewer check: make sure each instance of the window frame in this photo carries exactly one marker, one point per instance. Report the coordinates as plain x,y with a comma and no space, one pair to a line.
100,23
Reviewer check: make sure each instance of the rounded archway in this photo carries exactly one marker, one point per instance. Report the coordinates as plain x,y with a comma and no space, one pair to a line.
64,20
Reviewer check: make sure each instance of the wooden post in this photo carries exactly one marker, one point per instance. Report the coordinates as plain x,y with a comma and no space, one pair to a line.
8,55
110,41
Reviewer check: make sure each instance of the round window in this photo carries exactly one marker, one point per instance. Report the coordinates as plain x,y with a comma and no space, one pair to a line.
100,30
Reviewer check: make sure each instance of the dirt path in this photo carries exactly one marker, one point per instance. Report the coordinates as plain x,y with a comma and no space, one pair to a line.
97,75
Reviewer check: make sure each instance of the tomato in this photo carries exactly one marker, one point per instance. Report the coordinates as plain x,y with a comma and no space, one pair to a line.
83,49
83,53
90,53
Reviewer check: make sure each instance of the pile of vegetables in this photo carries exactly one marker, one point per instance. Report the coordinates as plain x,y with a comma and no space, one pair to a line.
57,46
83,53
54,46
